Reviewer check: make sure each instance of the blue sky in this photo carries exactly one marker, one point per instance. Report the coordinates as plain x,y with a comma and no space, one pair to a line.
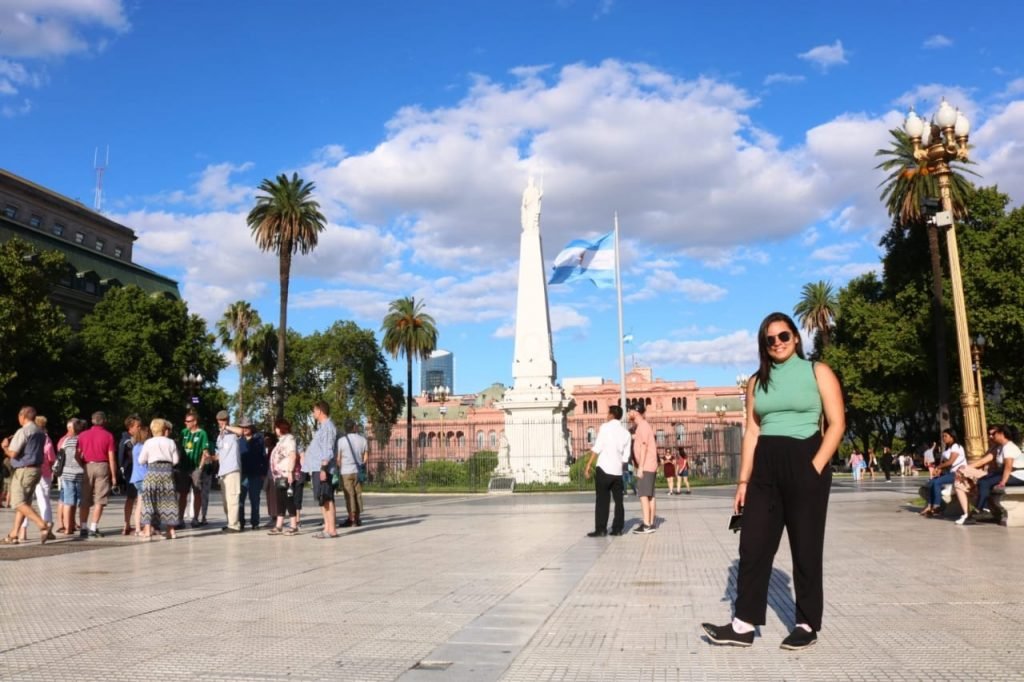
736,141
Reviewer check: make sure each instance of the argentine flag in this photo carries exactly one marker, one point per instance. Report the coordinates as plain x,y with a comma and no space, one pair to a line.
582,259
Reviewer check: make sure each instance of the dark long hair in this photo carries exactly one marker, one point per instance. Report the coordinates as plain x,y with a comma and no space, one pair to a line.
764,372
952,434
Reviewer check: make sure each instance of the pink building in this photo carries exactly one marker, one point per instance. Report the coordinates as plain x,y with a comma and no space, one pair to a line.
681,413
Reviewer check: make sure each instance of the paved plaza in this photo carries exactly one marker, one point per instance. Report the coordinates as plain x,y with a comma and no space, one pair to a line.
507,587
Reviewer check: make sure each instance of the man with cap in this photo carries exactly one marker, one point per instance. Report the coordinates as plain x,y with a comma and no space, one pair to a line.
25,450
229,472
253,452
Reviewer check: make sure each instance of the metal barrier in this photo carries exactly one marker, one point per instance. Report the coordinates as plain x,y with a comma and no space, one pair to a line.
462,456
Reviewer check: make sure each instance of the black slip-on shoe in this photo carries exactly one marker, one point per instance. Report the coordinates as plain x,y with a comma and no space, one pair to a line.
597,534
724,635
639,529
615,533
799,639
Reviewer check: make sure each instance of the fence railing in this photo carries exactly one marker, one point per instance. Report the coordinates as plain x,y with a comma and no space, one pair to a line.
462,456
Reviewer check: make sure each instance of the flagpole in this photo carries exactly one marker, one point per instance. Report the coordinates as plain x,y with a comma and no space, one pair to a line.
618,296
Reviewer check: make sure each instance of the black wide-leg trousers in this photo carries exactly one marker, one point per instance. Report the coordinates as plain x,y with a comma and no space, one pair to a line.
784,491
608,486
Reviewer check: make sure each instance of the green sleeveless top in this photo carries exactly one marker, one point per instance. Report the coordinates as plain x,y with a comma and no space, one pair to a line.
790,405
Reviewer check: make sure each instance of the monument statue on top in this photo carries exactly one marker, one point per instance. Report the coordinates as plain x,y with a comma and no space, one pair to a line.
535,407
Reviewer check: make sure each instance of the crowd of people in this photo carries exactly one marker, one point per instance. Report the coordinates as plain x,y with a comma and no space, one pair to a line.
160,470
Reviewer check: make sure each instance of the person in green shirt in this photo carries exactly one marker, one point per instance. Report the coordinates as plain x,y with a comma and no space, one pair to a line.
795,420
197,463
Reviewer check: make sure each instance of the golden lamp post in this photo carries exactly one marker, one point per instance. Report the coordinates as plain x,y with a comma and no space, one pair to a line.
935,146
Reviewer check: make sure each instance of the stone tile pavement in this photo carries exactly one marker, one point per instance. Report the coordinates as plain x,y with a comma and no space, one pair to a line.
507,587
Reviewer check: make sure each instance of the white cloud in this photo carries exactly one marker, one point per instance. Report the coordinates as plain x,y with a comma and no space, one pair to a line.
12,110
54,28
667,282
835,252
810,236
736,348
784,78
937,41
604,138
35,30
847,271
1013,89
213,189
825,56
998,150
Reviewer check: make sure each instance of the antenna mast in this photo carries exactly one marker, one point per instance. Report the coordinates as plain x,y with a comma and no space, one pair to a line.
97,202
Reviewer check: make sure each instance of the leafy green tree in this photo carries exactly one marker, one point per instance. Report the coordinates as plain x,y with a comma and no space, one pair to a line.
285,220
816,310
907,185
135,349
235,331
876,353
408,332
34,333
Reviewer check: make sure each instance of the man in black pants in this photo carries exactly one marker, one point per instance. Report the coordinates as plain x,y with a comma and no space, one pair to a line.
611,450
887,463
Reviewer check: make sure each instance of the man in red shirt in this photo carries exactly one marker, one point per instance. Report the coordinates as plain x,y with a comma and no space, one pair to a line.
96,450
645,450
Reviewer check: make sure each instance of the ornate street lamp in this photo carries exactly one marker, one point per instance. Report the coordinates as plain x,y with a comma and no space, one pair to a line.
441,394
192,381
720,411
936,144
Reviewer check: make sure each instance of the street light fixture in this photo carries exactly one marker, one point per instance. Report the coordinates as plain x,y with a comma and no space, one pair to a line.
441,394
720,411
936,144
192,381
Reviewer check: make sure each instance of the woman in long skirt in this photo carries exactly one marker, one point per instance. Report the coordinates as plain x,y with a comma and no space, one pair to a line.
159,498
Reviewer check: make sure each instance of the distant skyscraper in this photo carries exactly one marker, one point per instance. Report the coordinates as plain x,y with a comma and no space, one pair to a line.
438,370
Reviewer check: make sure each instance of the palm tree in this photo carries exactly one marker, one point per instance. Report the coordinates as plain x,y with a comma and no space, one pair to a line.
286,219
234,331
817,310
410,332
263,355
908,183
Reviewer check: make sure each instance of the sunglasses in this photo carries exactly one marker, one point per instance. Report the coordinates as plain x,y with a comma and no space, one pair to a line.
783,337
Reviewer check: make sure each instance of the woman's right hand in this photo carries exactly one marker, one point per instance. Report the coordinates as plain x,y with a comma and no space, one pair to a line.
740,499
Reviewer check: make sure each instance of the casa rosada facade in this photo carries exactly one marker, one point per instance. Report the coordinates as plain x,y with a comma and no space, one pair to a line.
681,413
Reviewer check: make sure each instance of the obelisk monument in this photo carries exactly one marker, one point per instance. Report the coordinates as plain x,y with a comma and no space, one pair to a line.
535,424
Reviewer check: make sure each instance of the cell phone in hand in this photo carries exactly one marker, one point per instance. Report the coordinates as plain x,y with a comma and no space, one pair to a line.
736,521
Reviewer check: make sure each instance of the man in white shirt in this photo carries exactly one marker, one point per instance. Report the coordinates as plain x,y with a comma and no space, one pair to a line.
611,450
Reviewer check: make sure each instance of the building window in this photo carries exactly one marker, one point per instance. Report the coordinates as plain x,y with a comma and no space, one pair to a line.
35,220
659,436
684,404
10,210
590,435
99,244
57,229
421,440
480,439
118,252
680,433
493,439
79,237
90,286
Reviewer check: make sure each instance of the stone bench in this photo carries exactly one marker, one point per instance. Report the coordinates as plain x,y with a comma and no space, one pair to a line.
1008,505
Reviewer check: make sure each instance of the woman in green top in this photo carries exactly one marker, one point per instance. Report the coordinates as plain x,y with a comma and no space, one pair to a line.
784,482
